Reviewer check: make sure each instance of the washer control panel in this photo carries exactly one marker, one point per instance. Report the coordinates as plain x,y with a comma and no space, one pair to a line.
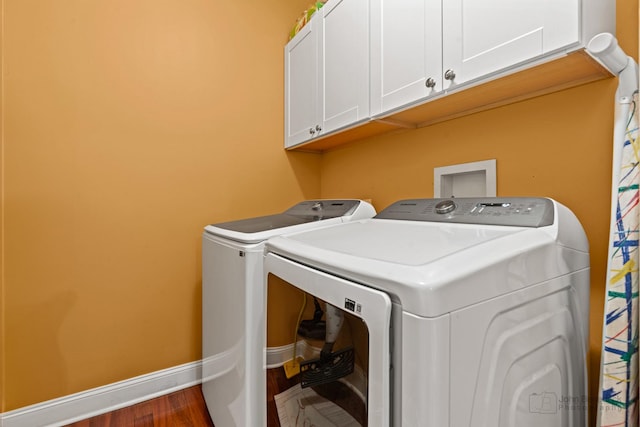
324,208
303,212
510,211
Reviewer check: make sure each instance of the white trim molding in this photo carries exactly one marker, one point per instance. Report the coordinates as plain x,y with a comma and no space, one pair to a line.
86,404
90,403
100,400
277,356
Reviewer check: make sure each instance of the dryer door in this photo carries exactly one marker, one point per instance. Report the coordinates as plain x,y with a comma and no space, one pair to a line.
365,310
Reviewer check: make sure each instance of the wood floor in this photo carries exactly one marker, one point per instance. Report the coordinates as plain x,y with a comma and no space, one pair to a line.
186,408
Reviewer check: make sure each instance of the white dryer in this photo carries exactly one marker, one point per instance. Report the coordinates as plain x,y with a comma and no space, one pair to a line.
476,309
233,298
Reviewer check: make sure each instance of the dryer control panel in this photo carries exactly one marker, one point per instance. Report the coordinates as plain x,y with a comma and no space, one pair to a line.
323,208
303,212
509,211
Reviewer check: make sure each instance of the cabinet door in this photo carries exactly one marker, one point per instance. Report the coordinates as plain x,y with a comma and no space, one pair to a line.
484,36
406,40
302,99
344,57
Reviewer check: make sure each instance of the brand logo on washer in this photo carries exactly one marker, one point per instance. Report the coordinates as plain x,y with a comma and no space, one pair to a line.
349,304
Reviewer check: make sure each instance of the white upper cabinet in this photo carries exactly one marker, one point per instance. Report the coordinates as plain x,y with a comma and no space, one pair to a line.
301,85
482,37
327,72
363,67
423,47
345,61
406,51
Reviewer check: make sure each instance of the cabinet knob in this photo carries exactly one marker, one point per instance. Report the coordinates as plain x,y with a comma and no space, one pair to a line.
318,128
430,83
449,75
312,131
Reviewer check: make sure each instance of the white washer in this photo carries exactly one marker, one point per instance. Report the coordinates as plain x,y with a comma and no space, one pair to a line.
233,298
477,309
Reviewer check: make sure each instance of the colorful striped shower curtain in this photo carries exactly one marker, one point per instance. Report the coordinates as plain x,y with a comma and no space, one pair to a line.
618,401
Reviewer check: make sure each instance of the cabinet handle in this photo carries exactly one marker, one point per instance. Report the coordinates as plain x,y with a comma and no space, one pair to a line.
312,131
449,75
430,83
318,128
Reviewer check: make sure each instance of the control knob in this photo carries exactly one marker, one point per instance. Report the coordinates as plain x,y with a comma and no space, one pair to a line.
445,206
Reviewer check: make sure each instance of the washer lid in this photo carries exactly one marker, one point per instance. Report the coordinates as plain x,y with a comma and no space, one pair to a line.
433,268
253,230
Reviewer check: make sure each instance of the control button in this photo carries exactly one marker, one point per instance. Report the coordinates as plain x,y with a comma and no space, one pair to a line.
445,206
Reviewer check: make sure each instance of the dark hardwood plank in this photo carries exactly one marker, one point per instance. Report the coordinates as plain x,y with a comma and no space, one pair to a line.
186,408
183,408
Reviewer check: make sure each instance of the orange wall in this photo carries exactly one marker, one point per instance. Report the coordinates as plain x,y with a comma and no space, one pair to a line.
2,305
128,126
557,145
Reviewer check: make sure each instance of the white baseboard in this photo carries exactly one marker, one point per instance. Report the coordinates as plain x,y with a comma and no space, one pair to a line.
86,404
100,400
277,356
